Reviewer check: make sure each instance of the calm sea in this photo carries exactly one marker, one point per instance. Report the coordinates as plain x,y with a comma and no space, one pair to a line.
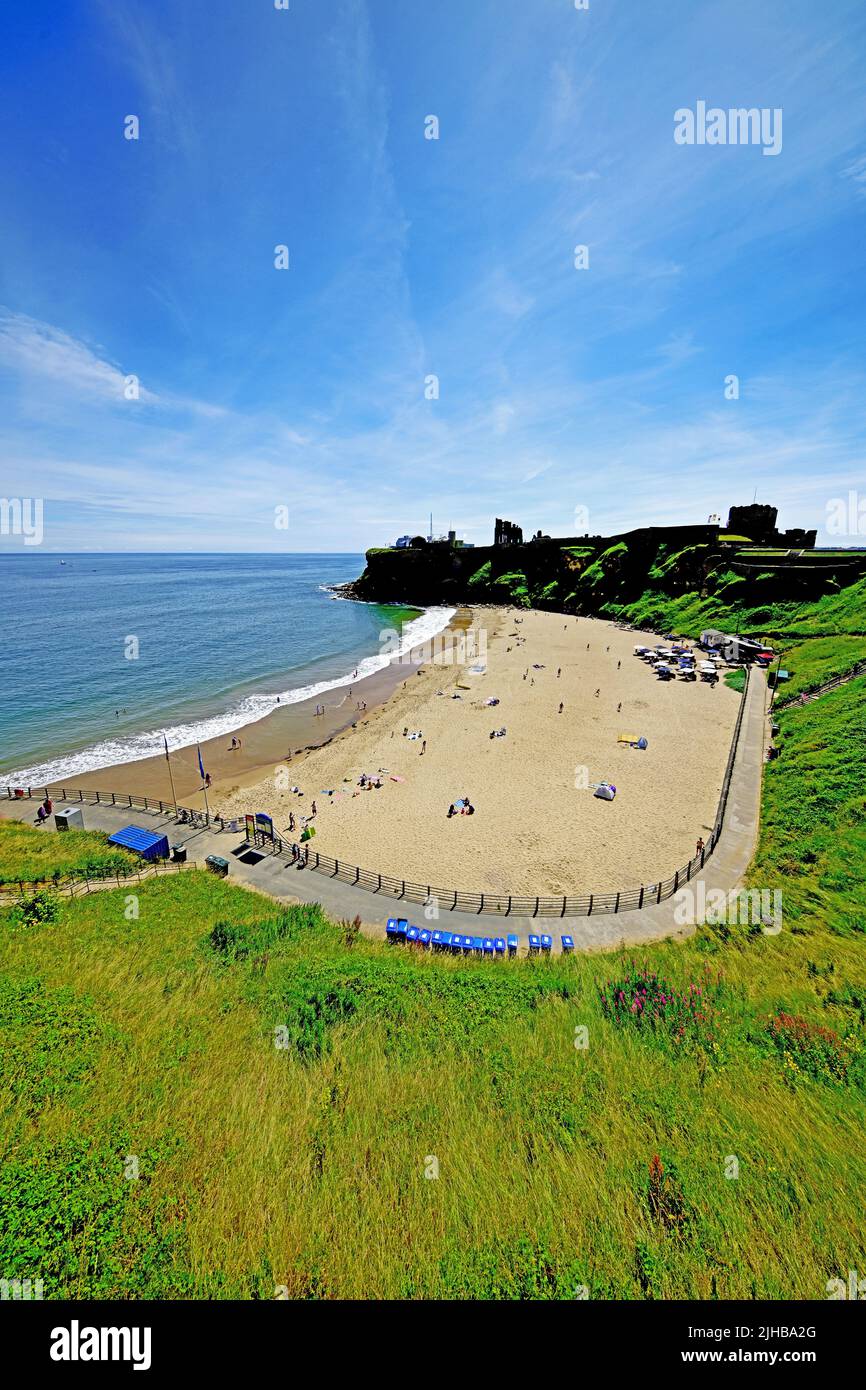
101,653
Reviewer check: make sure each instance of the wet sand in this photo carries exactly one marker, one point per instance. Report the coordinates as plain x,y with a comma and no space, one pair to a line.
275,741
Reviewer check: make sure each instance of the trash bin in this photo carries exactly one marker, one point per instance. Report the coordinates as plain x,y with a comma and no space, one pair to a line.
69,819
217,865
178,854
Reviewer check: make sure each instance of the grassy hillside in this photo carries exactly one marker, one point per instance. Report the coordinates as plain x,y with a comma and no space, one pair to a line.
838,612
307,1157
36,854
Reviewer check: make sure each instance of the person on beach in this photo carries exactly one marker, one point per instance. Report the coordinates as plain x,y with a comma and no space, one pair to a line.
451,811
207,779
291,822
619,707
597,693
561,707
558,672
700,845
314,808
423,747
618,664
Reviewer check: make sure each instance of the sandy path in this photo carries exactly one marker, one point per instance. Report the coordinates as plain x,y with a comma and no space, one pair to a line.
537,826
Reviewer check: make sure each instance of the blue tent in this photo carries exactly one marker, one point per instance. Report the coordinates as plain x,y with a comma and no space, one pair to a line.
144,842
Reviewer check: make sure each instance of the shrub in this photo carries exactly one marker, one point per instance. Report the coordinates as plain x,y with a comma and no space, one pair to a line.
644,1000
39,909
810,1049
665,1197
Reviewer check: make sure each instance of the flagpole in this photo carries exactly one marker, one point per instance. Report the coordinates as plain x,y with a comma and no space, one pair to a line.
203,783
170,776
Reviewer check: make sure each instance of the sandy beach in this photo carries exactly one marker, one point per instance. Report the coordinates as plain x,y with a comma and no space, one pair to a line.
537,827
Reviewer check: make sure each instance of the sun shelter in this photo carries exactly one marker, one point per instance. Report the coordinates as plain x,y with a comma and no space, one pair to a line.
605,790
145,843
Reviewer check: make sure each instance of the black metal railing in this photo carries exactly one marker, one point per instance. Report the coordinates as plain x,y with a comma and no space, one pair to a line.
405,890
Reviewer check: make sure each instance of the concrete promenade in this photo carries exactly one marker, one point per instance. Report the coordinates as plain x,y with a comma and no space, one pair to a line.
273,875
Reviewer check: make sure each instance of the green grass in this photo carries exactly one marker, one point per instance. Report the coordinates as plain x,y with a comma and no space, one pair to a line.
30,853
817,660
284,1086
835,613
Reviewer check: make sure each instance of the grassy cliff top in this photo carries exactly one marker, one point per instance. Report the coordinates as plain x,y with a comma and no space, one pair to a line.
214,1096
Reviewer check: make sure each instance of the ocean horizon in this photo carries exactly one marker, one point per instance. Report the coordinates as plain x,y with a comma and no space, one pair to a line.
106,654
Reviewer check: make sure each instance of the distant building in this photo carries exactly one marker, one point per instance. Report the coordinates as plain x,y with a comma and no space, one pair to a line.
757,522
507,533
402,542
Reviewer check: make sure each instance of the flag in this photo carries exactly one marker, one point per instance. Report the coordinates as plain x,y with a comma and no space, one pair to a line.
200,763
165,741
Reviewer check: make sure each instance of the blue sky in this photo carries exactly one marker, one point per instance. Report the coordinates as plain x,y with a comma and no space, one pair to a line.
560,388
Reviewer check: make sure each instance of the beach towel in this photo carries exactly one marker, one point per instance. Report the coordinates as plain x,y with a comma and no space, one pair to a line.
627,738
395,778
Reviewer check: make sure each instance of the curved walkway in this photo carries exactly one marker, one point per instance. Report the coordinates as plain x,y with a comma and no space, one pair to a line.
271,874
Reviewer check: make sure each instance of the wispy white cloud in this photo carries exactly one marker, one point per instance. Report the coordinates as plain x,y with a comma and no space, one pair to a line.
43,351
